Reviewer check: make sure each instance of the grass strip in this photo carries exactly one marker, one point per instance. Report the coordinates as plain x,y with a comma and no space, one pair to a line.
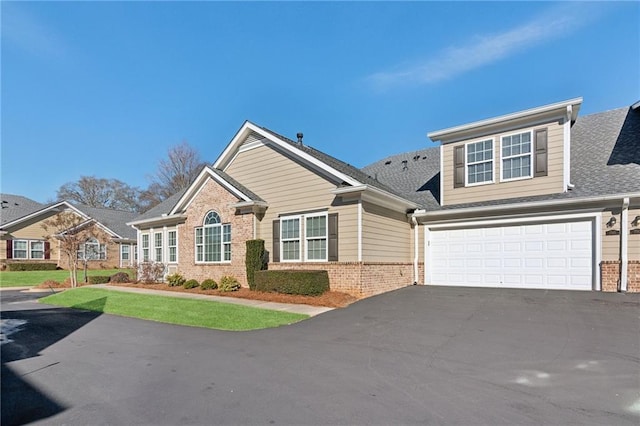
32,278
172,310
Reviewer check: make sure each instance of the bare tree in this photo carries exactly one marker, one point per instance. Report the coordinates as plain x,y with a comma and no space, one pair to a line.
175,173
71,231
101,193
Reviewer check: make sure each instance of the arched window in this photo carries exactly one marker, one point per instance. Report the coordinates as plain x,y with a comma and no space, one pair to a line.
92,250
213,239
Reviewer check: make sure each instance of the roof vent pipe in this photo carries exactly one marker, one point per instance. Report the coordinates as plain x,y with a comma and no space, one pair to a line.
300,135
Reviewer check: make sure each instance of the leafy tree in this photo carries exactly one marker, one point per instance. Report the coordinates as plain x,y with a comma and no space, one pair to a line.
71,231
101,193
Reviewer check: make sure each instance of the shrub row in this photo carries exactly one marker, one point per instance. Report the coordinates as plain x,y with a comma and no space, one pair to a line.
32,266
98,279
227,283
307,283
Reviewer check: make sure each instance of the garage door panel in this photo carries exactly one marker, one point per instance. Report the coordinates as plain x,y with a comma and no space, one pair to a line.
542,255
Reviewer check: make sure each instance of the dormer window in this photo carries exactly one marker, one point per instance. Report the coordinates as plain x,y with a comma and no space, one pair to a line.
516,156
479,164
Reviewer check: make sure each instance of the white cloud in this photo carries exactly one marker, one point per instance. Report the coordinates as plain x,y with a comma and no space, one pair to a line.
486,49
23,30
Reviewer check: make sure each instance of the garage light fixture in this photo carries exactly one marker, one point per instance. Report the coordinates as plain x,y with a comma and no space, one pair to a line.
612,221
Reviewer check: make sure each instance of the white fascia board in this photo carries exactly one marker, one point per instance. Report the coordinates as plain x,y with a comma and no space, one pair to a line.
377,196
44,210
243,204
159,220
559,107
635,106
248,127
507,220
427,215
198,183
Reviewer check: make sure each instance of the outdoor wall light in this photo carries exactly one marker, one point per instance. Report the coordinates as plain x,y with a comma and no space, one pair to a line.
636,221
612,221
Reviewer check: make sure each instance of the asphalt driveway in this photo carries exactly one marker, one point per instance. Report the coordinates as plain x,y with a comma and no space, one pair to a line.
419,355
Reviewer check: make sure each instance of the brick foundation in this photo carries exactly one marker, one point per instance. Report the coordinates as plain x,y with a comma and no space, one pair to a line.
360,279
610,275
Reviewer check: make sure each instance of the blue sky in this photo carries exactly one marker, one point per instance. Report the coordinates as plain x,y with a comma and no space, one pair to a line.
105,88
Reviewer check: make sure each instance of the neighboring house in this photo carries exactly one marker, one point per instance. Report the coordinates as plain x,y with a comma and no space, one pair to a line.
534,199
24,239
523,200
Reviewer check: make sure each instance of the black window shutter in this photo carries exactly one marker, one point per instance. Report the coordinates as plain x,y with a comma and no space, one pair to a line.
333,237
47,250
541,152
9,249
458,166
275,254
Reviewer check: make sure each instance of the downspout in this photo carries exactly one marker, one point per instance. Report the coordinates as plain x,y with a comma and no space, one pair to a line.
415,249
624,243
567,150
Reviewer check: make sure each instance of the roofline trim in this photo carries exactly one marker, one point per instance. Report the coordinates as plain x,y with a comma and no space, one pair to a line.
228,154
418,214
560,106
376,195
157,219
44,210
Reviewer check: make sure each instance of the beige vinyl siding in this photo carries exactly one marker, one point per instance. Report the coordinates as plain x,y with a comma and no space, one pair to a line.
31,230
634,239
290,188
610,243
3,249
552,183
386,235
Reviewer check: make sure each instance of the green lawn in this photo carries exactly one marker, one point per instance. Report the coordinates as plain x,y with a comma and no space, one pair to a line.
172,310
32,278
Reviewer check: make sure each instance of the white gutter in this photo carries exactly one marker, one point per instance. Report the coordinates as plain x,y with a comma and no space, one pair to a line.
415,250
624,244
516,206
359,230
566,127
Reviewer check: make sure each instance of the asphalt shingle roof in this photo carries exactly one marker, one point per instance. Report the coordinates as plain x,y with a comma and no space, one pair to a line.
115,220
16,206
163,208
605,160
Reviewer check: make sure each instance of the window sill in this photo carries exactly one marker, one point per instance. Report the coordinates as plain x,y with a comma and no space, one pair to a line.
516,179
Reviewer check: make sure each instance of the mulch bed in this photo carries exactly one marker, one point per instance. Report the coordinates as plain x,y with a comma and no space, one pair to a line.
331,299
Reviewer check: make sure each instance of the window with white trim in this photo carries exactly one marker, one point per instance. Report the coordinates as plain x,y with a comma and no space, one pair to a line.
145,247
172,244
316,237
157,246
313,243
36,249
91,249
213,240
124,251
479,162
516,156
20,249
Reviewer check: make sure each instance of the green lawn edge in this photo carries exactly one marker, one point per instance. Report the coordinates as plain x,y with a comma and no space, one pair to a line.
34,278
172,310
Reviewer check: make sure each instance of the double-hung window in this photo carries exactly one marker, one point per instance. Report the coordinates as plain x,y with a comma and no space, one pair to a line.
479,167
157,246
304,234
145,247
20,249
213,240
124,251
37,249
516,156
172,245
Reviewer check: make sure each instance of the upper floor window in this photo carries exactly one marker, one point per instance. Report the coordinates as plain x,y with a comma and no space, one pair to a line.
479,162
213,240
516,156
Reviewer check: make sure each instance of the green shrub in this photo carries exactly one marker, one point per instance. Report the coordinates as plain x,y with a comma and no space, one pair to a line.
98,279
191,284
120,277
176,280
228,283
32,266
255,260
307,283
208,284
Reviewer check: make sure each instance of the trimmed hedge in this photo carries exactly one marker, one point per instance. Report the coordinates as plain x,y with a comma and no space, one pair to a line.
98,279
31,266
255,260
208,284
306,283
191,284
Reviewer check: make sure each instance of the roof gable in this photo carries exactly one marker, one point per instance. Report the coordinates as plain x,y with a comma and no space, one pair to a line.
13,207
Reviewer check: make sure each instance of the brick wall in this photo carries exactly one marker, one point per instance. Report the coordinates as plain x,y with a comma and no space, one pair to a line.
361,279
610,275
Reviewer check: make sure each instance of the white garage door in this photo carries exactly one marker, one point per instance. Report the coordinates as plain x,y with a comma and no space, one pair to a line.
548,255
